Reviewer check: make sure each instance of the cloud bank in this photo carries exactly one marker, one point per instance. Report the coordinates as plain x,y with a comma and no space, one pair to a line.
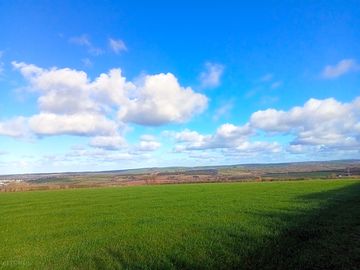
69,102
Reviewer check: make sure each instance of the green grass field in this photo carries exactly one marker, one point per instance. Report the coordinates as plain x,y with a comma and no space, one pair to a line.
275,225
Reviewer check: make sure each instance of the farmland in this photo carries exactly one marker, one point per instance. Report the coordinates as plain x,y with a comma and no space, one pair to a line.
349,169
310,224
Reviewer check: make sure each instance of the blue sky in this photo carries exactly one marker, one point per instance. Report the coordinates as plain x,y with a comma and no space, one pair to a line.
114,85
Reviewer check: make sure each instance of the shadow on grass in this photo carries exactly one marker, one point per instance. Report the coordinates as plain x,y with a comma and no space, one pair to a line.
327,237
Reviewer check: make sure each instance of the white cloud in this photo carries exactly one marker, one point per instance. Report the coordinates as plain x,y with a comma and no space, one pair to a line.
318,127
99,155
65,102
160,99
15,127
71,104
341,68
232,131
84,41
297,149
27,70
82,124
149,145
325,122
258,147
117,45
230,139
108,142
112,149
211,76
61,90
147,137
189,136
112,89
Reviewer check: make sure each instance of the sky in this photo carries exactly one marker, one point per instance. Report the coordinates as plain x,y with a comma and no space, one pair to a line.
106,85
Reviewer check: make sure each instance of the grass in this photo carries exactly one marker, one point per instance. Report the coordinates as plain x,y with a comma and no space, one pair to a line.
277,225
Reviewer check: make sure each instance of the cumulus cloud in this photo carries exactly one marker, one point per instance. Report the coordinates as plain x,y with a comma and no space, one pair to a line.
227,137
117,45
27,70
70,103
258,147
81,124
211,76
112,89
108,142
190,136
156,100
341,68
318,127
65,102
160,99
148,143
325,122
63,91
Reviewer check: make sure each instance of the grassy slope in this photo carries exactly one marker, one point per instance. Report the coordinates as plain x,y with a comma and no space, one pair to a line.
278,225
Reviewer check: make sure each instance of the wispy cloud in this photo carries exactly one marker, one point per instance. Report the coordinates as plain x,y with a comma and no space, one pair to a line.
84,41
86,62
117,45
263,85
276,85
223,110
267,77
268,100
341,68
211,76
